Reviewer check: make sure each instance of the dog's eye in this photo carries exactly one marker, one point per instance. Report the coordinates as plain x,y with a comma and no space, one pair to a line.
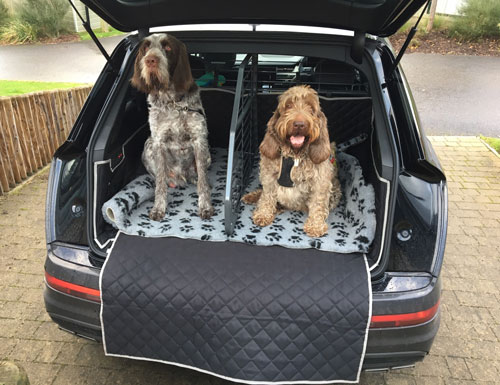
288,106
147,43
165,46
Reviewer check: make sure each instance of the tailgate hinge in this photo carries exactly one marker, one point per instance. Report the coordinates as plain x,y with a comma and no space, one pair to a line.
412,32
88,28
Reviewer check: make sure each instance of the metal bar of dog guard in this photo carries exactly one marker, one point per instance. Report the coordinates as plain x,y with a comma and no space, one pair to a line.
230,203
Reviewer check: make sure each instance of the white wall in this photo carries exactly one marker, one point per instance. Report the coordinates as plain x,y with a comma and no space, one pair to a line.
449,7
95,21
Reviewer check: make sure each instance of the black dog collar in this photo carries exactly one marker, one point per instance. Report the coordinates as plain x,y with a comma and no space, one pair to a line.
287,164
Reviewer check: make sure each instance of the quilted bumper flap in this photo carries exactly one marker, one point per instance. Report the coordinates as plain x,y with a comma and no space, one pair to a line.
250,314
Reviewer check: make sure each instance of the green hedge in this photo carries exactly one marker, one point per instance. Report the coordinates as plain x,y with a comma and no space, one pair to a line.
45,16
479,19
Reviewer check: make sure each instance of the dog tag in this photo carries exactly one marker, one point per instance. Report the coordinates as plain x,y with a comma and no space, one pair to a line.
287,164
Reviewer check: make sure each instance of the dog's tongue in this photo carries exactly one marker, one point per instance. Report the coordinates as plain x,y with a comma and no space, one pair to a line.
297,141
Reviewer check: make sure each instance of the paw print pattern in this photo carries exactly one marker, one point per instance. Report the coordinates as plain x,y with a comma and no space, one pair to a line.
207,227
250,239
165,227
175,203
315,243
277,227
239,225
255,229
340,241
273,236
186,228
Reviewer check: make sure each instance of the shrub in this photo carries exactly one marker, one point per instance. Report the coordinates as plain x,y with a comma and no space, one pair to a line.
17,32
46,17
4,14
479,19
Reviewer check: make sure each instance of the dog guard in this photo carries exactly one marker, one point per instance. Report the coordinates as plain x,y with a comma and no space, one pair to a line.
242,314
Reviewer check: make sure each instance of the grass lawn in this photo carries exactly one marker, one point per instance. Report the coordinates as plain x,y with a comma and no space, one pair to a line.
15,87
99,34
492,142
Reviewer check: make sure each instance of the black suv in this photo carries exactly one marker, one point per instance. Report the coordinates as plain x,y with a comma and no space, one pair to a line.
340,50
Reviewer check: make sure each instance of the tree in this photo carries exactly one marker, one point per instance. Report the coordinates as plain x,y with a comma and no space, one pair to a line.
432,14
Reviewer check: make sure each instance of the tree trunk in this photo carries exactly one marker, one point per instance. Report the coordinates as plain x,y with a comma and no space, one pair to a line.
432,14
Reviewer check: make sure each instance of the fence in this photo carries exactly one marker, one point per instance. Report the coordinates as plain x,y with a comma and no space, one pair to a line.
32,127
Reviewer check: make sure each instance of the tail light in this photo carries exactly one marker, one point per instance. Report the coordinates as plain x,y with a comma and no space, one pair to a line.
73,289
407,319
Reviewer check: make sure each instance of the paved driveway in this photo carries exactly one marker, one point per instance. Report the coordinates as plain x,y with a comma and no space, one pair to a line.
80,62
466,350
456,95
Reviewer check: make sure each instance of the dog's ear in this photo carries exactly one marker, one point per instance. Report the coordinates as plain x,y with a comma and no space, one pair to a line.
137,80
319,150
270,147
182,77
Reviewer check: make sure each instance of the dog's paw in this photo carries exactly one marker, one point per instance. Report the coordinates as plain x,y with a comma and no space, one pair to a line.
252,197
315,228
206,212
157,214
263,218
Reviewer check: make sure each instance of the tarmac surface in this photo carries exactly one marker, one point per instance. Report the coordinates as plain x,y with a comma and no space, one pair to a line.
466,350
455,95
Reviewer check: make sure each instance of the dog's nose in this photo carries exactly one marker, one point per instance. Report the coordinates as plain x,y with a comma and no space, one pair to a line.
299,125
151,61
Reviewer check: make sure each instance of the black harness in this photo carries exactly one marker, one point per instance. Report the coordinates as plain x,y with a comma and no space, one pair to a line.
287,164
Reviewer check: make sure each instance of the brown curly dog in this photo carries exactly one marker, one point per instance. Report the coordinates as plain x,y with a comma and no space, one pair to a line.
297,164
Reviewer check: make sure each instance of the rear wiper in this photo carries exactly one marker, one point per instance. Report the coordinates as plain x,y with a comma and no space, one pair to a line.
88,28
410,36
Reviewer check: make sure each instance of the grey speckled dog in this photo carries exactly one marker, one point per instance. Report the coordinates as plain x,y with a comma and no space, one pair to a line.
177,151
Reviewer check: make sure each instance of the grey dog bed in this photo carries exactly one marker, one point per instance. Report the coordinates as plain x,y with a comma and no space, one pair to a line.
351,225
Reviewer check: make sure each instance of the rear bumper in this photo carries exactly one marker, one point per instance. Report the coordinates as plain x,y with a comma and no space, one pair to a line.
387,348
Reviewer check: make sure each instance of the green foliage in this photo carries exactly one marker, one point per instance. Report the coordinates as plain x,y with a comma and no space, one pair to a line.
480,19
441,23
4,14
17,32
46,17
100,34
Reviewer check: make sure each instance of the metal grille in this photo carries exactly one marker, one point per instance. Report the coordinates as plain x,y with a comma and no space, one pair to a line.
329,78
242,139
